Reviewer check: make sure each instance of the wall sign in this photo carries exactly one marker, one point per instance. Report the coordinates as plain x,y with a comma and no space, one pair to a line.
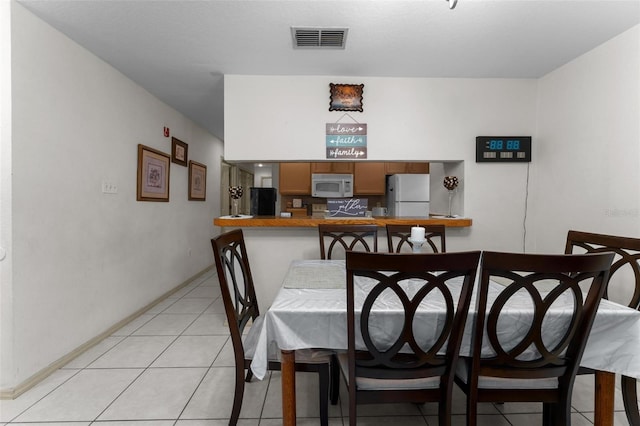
347,207
346,140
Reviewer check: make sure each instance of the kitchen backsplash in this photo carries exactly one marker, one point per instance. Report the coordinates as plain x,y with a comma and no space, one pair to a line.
286,202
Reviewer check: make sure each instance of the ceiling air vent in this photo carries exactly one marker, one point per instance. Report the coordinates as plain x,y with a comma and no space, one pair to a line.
319,38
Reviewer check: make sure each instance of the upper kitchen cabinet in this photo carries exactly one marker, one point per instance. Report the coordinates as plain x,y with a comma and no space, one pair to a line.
404,167
369,178
333,167
295,179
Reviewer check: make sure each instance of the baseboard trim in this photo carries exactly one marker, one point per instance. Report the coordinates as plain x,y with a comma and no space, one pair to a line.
29,383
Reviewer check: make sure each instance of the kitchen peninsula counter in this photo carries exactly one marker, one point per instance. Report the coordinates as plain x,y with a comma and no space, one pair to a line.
309,222
273,242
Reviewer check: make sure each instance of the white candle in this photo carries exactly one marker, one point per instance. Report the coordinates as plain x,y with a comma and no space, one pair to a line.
417,233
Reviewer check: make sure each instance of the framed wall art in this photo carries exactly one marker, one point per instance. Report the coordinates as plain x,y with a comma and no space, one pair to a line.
179,152
345,97
197,181
153,175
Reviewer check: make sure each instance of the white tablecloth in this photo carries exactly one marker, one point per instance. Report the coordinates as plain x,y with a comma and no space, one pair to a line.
315,317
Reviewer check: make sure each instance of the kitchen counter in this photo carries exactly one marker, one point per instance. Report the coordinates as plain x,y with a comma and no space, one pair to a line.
309,222
273,242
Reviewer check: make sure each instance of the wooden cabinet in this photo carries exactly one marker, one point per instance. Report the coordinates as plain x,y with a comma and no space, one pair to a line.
405,167
295,179
418,168
369,178
333,167
298,212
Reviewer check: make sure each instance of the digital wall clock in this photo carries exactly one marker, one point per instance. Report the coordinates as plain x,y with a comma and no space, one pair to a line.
503,149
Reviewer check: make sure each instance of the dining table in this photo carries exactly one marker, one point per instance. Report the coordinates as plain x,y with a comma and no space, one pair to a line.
310,311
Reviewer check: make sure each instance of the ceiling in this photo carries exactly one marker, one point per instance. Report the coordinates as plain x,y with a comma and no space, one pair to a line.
180,50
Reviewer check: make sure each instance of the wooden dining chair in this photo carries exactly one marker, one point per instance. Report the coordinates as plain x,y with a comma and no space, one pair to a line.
398,238
241,308
518,357
413,362
623,288
335,240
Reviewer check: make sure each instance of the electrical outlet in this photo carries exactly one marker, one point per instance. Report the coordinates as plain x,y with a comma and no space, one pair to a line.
109,187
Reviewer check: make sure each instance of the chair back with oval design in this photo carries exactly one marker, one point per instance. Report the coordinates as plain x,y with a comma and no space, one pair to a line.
336,240
534,315
241,309
411,359
623,288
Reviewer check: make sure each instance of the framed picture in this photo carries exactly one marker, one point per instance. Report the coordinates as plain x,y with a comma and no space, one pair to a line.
197,181
153,175
179,151
345,97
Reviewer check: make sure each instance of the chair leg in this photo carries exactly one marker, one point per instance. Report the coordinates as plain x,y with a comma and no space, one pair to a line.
472,407
353,414
561,412
334,389
237,398
547,414
324,378
630,398
444,409
249,375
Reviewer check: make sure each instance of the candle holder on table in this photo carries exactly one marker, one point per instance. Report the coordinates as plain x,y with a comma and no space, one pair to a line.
236,193
417,238
416,245
450,183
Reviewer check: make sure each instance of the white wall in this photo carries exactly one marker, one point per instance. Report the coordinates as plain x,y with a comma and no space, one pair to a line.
583,118
407,118
586,164
83,260
6,316
260,173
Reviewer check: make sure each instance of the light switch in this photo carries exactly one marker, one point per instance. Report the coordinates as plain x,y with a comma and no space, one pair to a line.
109,187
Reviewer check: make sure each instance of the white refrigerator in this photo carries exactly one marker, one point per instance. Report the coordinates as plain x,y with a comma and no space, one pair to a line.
408,195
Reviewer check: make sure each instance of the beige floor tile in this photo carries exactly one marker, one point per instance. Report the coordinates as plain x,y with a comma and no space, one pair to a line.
81,398
191,351
189,306
95,352
11,408
158,394
208,324
134,352
166,325
483,420
214,397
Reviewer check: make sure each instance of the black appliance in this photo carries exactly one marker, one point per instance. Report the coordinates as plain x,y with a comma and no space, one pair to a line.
263,201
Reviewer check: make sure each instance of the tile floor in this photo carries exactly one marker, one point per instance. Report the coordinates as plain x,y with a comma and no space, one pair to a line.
174,366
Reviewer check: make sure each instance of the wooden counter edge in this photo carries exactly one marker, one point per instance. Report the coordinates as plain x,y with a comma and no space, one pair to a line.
308,222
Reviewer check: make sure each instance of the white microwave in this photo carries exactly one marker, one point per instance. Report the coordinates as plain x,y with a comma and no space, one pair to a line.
331,185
